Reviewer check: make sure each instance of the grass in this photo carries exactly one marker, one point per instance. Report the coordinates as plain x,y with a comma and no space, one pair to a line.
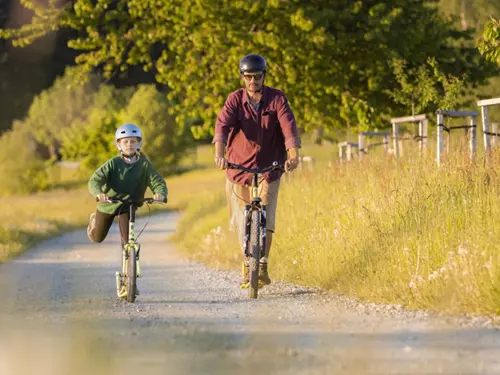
25,220
384,230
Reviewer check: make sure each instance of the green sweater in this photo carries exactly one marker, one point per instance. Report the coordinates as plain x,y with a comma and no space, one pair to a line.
120,180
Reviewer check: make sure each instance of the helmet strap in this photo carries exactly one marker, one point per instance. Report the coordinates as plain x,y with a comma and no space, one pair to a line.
129,159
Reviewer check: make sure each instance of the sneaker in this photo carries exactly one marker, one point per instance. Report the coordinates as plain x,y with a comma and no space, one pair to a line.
264,278
245,275
91,226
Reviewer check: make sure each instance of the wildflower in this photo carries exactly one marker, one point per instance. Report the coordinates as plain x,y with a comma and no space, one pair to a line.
442,270
406,250
336,232
462,251
412,285
433,275
294,261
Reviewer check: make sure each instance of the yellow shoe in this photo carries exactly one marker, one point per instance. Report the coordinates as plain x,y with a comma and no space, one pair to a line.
245,276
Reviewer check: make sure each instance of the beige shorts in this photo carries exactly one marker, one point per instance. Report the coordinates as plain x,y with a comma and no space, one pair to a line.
238,196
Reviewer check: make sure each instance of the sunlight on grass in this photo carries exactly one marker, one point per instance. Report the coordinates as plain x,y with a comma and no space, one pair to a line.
29,219
380,229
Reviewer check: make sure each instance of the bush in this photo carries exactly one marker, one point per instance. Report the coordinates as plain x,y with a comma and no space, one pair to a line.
59,106
90,142
164,141
23,170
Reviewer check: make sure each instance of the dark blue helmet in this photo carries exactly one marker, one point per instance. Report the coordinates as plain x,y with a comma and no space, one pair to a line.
253,63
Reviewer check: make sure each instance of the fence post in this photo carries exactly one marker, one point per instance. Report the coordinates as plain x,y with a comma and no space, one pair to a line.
395,133
361,145
486,128
425,133
422,133
440,123
349,152
473,137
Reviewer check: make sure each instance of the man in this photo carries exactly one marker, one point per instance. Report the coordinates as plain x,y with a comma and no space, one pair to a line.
256,127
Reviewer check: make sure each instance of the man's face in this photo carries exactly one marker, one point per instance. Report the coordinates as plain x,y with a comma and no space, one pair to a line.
129,145
253,81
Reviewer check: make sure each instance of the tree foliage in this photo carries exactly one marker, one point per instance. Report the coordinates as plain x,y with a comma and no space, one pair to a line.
332,59
164,142
20,165
427,88
56,108
91,140
489,44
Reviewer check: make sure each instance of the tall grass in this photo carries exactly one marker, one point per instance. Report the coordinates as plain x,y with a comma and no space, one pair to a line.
25,220
384,230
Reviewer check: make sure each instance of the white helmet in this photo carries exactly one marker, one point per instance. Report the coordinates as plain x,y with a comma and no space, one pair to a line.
128,130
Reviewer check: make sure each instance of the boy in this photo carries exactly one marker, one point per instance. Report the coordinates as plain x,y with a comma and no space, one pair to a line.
123,177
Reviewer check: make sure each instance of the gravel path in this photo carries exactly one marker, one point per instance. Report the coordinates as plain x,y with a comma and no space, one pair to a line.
59,315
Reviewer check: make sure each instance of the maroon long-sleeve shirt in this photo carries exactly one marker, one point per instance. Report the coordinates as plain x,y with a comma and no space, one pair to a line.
256,138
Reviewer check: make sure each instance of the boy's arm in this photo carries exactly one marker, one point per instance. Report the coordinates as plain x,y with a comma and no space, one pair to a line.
99,179
156,183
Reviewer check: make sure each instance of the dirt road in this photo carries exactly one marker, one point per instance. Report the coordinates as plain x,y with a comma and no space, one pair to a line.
59,315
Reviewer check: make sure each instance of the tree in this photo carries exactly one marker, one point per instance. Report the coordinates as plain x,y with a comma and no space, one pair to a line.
489,45
164,142
20,164
330,58
428,88
58,107
92,142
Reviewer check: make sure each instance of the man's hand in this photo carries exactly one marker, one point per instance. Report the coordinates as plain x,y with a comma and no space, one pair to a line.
103,197
293,160
220,162
160,198
219,159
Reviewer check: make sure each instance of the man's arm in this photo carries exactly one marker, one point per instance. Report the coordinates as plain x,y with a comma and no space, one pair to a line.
220,160
290,133
225,122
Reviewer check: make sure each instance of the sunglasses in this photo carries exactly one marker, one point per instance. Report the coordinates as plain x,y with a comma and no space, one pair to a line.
257,77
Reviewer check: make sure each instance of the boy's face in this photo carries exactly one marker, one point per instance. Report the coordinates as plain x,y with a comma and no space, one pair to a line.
129,145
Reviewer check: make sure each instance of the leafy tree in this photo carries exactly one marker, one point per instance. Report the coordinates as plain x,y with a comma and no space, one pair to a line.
20,165
57,107
164,142
428,88
330,58
92,142
489,45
